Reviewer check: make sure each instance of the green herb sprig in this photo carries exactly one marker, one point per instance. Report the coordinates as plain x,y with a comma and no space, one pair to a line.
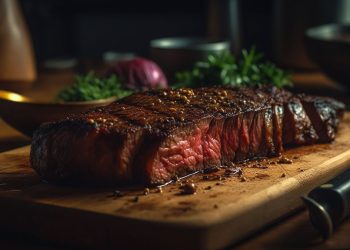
226,69
91,87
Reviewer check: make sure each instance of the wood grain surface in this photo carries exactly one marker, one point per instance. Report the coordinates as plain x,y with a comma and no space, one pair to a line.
220,213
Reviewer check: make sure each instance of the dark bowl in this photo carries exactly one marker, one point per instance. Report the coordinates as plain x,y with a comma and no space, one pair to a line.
26,114
175,54
329,47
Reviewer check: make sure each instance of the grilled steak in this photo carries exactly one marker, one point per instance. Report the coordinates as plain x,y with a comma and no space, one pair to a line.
151,137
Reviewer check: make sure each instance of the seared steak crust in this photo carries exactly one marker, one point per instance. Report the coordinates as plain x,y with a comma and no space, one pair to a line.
151,137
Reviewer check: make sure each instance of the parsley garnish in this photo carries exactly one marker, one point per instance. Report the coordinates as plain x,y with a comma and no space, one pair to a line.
90,87
226,69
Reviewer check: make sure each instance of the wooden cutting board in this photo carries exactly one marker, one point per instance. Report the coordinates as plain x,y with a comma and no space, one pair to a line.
220,213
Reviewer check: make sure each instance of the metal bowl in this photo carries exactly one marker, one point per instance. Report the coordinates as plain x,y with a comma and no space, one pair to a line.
329,47
180,53
26,115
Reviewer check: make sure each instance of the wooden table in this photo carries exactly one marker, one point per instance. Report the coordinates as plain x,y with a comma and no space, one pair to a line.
290,232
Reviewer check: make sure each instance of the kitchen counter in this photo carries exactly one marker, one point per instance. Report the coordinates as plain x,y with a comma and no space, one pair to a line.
293,231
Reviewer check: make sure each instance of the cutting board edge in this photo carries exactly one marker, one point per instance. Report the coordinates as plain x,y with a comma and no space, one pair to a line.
31,221
289,202
294,183
255,200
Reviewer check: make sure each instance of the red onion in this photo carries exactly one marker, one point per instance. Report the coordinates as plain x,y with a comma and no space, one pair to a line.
139,73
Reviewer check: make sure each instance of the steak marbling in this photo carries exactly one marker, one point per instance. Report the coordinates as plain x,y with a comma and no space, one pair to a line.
151,137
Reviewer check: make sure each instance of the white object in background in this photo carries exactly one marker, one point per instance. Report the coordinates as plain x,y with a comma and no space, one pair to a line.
17,62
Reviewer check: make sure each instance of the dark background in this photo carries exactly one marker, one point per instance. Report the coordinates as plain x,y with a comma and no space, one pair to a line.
88,28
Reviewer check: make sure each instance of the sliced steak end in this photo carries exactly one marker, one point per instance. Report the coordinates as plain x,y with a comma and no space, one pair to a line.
324,114
297,127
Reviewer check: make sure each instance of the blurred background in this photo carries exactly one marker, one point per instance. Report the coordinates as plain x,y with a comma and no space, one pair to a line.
88,28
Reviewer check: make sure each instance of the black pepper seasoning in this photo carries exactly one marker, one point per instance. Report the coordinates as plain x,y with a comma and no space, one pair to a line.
189,188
